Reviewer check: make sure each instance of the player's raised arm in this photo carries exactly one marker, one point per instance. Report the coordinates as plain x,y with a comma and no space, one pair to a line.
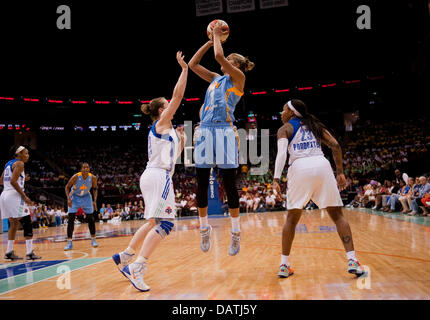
235,73
178,93
336,150
197,68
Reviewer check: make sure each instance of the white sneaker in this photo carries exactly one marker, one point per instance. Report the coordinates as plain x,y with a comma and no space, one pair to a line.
205,243
122,259
234,247
134,272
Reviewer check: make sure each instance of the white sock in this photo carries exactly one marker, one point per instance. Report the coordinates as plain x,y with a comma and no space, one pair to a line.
29,245
141,259
203,222
10,245
129,251
351,255
284,260
235,224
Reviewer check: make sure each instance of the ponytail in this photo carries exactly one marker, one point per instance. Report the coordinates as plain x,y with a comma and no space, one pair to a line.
245,64
309,120
152,107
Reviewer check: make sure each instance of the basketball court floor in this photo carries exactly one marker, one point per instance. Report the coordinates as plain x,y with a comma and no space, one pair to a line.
394,248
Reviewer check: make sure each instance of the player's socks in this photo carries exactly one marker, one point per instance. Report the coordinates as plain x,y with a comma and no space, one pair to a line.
350,255
235,224
285,260
203,222
10,246
29,246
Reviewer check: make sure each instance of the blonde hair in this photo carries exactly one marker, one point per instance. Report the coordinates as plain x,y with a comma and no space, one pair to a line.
152,107
244,63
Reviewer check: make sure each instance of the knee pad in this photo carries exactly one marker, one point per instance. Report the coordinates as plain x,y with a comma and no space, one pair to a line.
27,226
163,227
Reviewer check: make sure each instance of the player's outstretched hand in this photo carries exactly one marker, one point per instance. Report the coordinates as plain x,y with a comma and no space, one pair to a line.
180,57
341,181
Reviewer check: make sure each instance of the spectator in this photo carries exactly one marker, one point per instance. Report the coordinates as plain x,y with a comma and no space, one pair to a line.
394,199
404,198
58,215
422,191
270,200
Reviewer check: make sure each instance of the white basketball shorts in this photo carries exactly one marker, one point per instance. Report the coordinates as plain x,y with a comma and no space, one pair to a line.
312,178
156,186
12,205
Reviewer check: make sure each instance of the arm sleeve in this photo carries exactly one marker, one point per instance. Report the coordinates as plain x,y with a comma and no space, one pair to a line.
281,157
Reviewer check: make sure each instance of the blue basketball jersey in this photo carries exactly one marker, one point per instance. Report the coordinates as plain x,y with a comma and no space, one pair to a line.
82,186
220,101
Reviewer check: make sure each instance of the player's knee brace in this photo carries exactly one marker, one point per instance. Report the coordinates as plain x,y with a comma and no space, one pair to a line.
163,227
26,225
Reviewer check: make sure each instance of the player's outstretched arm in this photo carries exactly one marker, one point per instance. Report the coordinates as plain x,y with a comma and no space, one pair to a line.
237,76
336,150
197,68
178,93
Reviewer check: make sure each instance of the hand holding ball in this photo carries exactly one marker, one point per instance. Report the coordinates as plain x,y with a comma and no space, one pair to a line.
218,26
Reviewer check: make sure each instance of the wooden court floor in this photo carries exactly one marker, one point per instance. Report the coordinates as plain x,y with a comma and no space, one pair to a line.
395,252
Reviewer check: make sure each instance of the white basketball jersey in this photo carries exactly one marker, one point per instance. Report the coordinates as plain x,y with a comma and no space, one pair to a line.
163,149
8,175
302,143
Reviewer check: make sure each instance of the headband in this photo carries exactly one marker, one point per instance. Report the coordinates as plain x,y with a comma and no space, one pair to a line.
290,105
20,148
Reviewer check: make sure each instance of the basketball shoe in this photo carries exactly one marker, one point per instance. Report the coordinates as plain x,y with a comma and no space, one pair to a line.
11,256
285,271
69,245
205,243
122,259
32,256
234,247
94,243
134,272
354,267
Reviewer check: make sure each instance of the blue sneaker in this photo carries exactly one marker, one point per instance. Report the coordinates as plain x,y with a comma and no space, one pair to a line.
94,243
69,245
134,273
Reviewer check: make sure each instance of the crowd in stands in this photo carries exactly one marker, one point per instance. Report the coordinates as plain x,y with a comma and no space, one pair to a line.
372,153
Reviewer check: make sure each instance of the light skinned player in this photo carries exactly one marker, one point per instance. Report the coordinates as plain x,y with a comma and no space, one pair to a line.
165,145
310,177
216,120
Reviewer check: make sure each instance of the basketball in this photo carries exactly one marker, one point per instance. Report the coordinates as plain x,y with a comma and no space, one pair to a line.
224,28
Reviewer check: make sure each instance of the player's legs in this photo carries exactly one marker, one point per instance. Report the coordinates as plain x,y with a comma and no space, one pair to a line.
229,182
288,233
11,234
344,231
70,229
92,227
202,206
124,258
134,272
28,234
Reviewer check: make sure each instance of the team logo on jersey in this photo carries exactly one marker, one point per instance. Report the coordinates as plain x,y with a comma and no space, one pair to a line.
168,210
